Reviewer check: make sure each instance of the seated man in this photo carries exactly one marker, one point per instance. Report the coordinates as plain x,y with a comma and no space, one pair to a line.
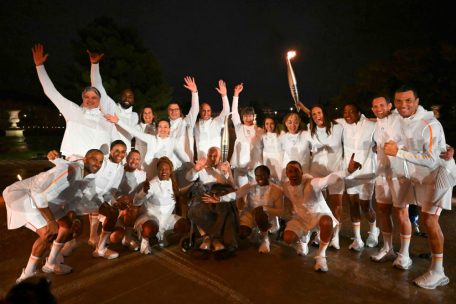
264,205
310,208
45,203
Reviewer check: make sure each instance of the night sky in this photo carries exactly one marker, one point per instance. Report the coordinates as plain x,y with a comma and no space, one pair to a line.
239,41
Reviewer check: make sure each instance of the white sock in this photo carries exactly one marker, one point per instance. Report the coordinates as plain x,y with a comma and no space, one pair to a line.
357,230
437,262
373,226
305,238
336,231
103,239
387,241
31,264
94,222
322,249
405,244
55,250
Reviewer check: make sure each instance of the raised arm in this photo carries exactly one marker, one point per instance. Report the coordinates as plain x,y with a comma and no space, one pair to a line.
225,102
235,107
319,183
65,106
147,138
190,85
193,173
107,104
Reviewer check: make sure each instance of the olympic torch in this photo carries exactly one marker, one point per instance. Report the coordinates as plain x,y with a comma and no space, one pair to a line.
292,79
225,139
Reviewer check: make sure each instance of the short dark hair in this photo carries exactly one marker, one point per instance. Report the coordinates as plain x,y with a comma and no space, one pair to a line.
92,151
380,95
263,168
354,105
406,87
133,151
117,142
248,111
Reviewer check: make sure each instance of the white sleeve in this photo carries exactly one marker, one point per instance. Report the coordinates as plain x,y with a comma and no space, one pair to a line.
107,105
192,115
319,183
65,106
235,112
225,111
192,175
45,185
147,138
241,192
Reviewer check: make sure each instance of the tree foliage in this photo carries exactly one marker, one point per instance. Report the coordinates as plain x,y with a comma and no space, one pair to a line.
127,64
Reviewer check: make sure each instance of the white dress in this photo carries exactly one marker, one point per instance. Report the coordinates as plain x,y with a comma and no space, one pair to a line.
272,155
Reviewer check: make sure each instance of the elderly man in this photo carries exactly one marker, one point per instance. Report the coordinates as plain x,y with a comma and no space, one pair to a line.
44,204
85,126
422,143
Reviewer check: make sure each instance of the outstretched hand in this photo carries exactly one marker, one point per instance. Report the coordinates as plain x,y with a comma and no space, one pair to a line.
210,198
238,89
95,57
53,154
303,108
38,54
112,118
448,154
200,163
221,88
190,84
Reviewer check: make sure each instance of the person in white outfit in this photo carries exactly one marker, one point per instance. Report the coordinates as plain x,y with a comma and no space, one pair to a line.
387,186
158,145
422,143
146,125
85,126
271,149
123,109
131,183
310,210
208,130
158,201
327,157
182,131
45,204
245,155
358,144
210,219
264,204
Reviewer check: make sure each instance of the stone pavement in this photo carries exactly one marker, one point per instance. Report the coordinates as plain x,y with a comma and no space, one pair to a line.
169,275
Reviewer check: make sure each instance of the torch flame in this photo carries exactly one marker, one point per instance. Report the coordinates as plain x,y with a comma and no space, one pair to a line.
19,177
291,54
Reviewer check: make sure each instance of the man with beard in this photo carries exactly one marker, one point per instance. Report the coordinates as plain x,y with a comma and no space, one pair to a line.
123,109
45,204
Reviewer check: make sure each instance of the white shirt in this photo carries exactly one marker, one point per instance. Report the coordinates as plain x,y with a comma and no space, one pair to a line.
327,151
296,147
208,133
85,128
109,106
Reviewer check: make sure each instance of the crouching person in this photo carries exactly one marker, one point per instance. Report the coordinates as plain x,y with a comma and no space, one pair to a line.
44,204
158,200
310,210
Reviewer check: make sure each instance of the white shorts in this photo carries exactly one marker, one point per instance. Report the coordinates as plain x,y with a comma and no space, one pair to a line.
164,223
302,226
37,221
246,219
387,191
363,187
436,208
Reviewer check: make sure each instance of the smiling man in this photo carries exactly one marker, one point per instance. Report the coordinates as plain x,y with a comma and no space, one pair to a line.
85,126
422,143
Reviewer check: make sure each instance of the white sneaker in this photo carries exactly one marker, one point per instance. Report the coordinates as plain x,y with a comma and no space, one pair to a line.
431,279
93,242
56,268
372,239
335,243
68,248
130,243
206,244
320,264
145,247
25,276
264,246
107,254
384,255
302,248
357,245
402,262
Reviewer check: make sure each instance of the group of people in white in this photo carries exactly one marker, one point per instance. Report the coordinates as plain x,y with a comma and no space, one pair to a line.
297,175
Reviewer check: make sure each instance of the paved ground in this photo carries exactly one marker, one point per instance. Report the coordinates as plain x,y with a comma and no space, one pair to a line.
173,276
